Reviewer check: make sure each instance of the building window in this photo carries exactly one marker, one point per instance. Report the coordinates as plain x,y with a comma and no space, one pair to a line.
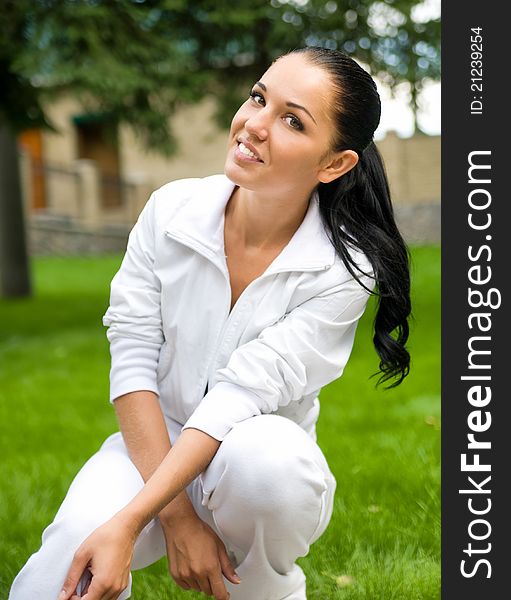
98,141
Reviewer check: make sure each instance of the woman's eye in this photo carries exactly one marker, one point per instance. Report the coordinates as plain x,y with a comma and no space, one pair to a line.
295,122
255,95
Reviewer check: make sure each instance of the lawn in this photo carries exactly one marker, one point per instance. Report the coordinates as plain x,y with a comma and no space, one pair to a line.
383,542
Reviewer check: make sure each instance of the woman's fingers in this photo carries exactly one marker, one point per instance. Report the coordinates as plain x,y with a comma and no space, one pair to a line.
198,559
98,591
183,584
218,589
84,583
226,565
181,574
103,589
102,563
204,586
78,566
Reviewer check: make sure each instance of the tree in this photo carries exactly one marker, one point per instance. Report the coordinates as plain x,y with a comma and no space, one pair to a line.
139,60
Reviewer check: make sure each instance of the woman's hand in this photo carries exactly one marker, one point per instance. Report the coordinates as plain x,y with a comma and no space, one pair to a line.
197,557
107,554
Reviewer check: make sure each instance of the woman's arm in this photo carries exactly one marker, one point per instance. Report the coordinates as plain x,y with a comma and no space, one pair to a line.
190,455
194,550
288,361
146,437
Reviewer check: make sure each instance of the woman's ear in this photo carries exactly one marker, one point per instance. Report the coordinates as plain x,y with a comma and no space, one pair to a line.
337,164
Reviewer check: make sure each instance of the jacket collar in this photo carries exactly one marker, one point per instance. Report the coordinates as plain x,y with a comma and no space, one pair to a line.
199,223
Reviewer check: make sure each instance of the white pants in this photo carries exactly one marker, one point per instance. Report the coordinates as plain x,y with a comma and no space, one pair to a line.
268,494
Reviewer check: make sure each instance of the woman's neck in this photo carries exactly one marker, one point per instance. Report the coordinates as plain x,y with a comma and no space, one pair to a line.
263,222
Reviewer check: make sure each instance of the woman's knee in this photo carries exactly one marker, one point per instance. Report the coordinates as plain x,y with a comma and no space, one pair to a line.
268,490
269,465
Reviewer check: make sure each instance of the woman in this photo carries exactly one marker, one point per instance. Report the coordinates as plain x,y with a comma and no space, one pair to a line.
237,300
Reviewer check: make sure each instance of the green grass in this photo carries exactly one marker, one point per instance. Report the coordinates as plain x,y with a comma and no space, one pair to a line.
383,542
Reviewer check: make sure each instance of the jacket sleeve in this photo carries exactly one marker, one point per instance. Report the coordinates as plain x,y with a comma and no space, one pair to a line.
287,361
133,317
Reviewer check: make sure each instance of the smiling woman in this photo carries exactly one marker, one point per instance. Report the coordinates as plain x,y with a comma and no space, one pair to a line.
286,125
236,302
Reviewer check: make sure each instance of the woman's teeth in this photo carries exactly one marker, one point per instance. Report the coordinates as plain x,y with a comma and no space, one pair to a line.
246,151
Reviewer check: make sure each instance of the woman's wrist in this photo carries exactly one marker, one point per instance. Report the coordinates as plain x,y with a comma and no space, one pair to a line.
131,522
179,509
134,517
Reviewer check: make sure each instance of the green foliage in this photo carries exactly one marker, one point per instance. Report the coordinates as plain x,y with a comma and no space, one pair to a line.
138,60
383,542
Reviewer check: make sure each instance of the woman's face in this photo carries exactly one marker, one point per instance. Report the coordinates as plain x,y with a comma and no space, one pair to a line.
287,123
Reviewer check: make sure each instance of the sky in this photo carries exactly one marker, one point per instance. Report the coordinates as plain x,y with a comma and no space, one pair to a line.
396,113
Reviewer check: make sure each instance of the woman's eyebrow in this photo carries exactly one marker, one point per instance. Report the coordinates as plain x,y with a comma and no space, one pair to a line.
293,104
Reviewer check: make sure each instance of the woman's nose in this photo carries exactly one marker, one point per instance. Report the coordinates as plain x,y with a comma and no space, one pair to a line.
257,125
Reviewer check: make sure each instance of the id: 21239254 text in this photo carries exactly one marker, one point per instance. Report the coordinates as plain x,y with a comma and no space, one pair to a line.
476,70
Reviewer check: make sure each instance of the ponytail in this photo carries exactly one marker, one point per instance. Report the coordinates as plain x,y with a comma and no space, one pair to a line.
357,211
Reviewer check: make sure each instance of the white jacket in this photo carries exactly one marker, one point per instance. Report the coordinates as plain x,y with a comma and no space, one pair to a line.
170,331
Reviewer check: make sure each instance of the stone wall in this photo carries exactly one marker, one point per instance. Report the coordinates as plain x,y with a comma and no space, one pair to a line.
53,236
413,168
419,224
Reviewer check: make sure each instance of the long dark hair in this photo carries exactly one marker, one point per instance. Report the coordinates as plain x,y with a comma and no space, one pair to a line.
357,209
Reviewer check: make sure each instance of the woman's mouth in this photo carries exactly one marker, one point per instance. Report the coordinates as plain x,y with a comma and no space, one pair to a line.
245,154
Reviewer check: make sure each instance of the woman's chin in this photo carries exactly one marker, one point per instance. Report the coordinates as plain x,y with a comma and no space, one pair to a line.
234,172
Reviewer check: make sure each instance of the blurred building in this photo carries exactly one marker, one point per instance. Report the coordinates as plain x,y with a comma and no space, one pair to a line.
85,185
